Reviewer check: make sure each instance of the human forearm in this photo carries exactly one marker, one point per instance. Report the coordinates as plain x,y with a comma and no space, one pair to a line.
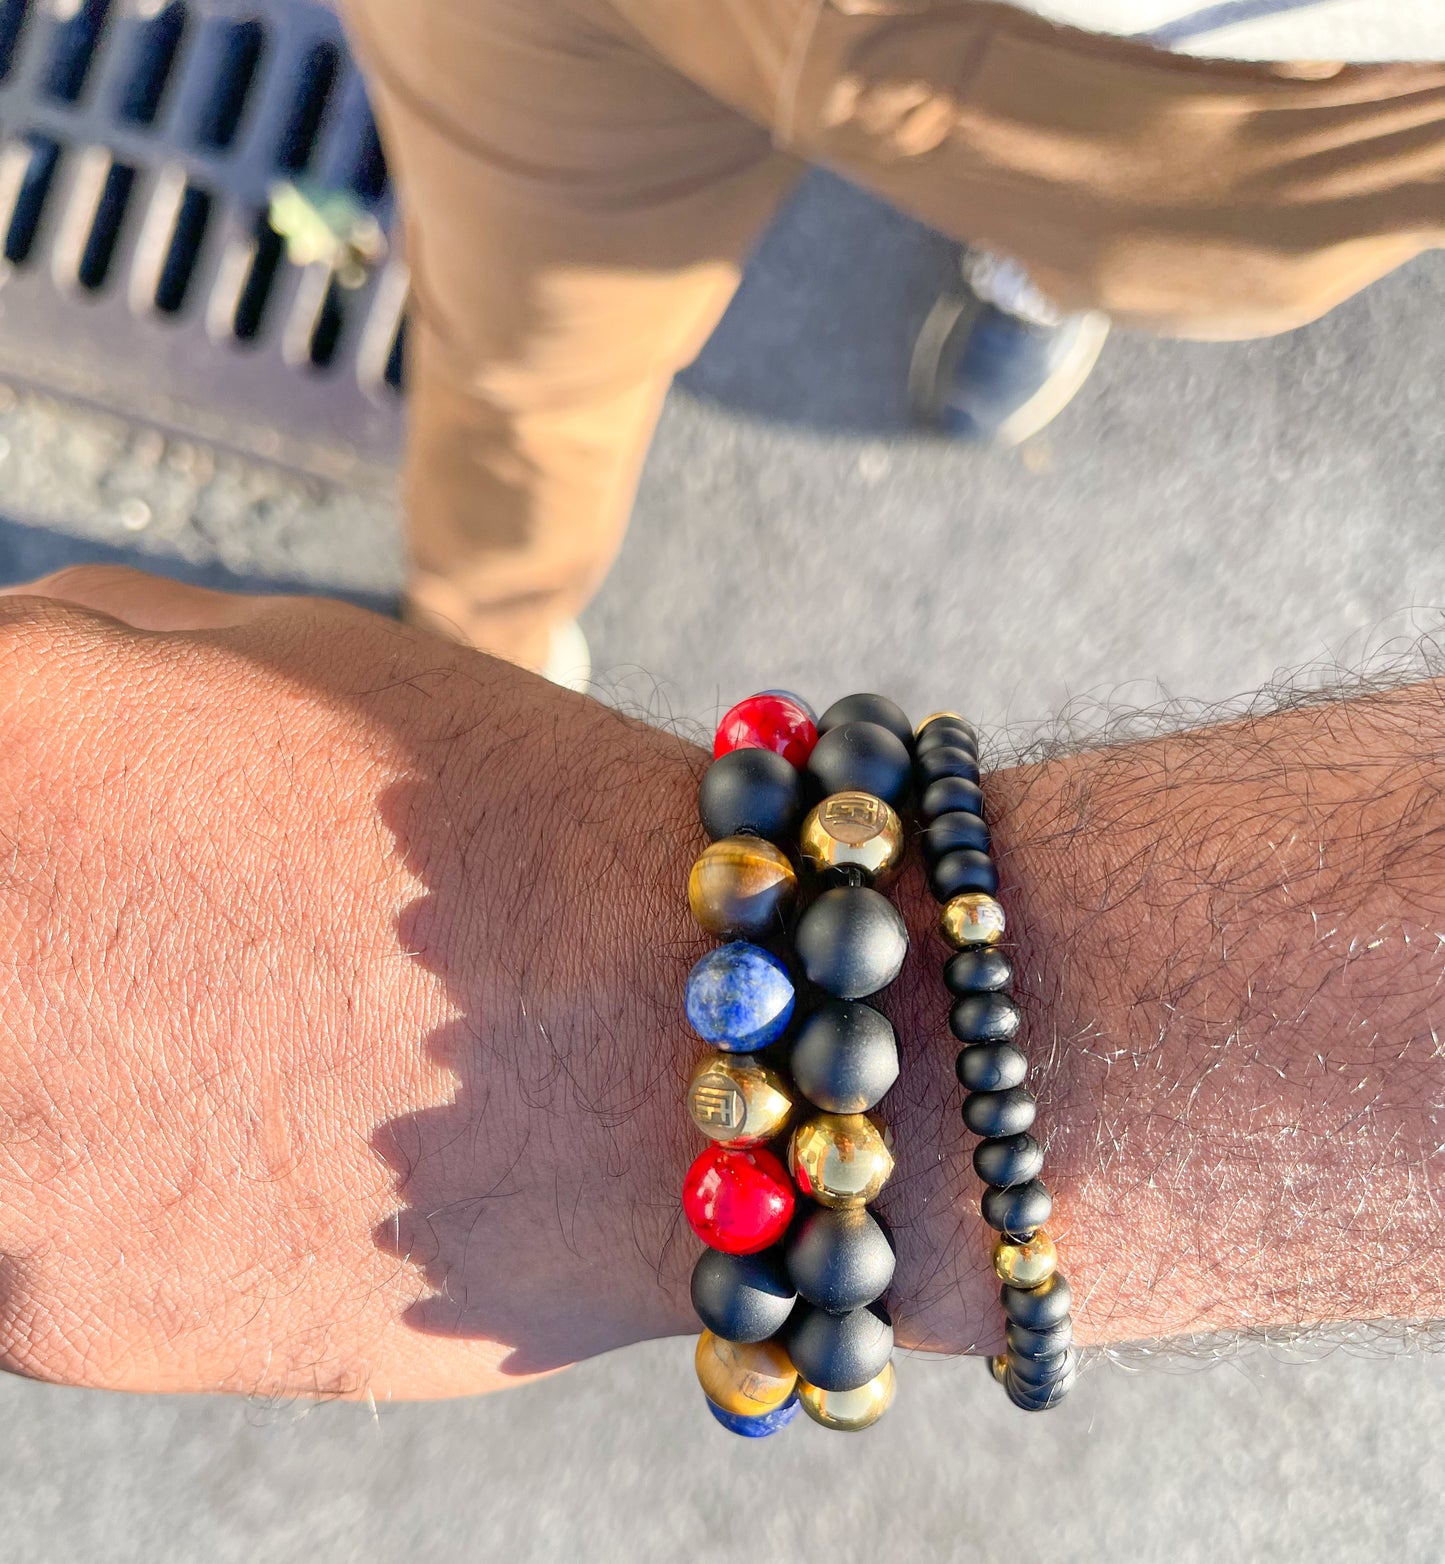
383,1093
1232,971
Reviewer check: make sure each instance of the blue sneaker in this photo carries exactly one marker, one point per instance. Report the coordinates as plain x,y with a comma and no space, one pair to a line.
984,372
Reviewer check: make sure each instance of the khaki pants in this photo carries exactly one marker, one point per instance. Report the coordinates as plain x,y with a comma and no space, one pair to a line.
584,178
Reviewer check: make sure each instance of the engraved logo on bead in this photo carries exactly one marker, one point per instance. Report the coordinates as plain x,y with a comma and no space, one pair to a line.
853,830
716,1100
853,818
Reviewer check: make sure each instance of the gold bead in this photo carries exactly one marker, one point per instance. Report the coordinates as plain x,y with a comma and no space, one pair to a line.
853,830
737,1100
973,919
740,886
744,1377
998,1367
934,716
1025,1262
840,1159
849,1410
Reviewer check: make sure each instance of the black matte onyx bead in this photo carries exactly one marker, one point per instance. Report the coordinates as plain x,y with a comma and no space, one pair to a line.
951,832
862,757
1044,1370
1008,1161
839,1260
966,870
845,1057
742,1297
990,1067
953,732
1037,1398
851,941
1017,1211
750,792
869,708
945,760
948,795
994,1114
839,1351
984,1018
983,971
1026,1343
1038,1308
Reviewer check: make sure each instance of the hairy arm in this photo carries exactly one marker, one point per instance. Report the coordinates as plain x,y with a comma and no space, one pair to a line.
341,1046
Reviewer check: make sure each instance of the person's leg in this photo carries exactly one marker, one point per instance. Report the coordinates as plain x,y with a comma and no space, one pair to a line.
576,217
1199,198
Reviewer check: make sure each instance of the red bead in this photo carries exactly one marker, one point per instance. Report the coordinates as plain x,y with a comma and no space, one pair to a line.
768,721
738,1199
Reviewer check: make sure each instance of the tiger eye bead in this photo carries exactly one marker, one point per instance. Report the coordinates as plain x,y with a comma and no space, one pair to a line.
737,1101
1025,1262
740,887
853,830
839,1159
849,1411
748,1378
973,919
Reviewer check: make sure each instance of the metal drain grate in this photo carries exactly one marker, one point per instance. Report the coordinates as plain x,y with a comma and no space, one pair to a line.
141,142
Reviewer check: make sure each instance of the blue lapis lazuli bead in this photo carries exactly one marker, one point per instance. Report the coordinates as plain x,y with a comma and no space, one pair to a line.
739,998
758,1427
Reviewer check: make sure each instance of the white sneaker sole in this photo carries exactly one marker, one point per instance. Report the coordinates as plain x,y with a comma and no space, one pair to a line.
1060,388
569,658
929,371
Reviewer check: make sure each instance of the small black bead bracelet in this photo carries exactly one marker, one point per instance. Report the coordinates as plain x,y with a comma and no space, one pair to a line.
1040,1364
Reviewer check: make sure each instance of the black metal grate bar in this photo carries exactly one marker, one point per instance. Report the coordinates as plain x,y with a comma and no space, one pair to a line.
144,140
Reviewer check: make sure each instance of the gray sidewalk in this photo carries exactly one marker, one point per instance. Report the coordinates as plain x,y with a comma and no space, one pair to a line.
1204,518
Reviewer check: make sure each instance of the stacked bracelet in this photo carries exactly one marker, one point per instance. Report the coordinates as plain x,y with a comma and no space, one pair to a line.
790,1288
1039,1366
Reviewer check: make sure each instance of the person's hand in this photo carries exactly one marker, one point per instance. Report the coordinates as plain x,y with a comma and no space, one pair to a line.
321,1008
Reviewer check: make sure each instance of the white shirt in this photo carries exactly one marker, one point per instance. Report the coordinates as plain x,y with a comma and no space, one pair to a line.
1350,30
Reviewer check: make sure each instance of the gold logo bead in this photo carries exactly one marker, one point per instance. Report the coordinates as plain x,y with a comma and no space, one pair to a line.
848,1411
737,1101
853,830
740,886
998,1367
1025,1262
840,1159
973,919
748,1378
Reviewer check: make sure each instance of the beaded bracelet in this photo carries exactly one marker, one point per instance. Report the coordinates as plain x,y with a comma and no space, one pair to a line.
789,1288
1040,1364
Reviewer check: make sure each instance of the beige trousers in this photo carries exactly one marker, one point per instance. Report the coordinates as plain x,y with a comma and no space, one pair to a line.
583,179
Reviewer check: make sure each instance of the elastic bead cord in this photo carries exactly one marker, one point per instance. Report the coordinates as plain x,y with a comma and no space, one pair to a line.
1039,1365
790,1290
